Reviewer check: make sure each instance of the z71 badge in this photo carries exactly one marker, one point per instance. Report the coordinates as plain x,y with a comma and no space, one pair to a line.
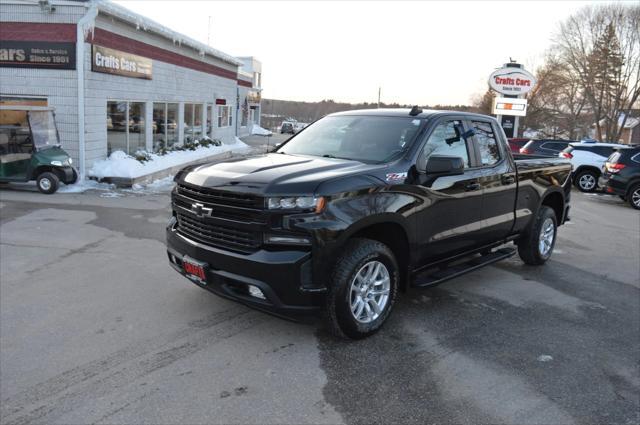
396,177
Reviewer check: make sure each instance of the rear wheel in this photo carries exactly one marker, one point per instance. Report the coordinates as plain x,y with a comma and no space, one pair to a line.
634,196
536,245
587,181
363,290
47,182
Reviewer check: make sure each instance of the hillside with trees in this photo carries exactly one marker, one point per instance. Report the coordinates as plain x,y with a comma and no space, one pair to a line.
275,111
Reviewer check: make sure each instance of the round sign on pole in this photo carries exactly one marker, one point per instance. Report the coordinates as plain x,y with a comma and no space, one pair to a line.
513,81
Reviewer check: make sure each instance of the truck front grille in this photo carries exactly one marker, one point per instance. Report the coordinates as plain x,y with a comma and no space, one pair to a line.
218,236
221,197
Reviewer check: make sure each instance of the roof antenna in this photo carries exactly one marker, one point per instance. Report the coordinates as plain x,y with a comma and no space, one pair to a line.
415,111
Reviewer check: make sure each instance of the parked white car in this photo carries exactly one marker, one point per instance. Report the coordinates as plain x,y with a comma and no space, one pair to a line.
587,160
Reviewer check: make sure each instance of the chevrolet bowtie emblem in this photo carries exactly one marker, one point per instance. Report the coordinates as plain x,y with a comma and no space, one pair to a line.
200,210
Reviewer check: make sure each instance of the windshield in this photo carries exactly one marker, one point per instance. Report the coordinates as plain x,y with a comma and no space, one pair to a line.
43,129
360,138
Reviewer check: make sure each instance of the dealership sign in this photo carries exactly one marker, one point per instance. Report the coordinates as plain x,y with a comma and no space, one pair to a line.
513,81
37,54
111,61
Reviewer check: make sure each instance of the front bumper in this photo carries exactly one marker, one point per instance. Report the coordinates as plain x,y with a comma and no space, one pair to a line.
278,274
68,174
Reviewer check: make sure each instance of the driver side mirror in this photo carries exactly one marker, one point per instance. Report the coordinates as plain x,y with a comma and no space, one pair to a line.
442,165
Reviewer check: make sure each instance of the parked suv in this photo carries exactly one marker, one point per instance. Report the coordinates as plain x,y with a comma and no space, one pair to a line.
621,175
544,147
587,159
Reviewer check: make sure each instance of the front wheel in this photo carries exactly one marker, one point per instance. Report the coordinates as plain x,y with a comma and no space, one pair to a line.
634,196
587,181
47,182
536,245
363,289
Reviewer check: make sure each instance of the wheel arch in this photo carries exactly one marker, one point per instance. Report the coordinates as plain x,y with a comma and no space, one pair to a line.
554,200
389,230
46,168
583,168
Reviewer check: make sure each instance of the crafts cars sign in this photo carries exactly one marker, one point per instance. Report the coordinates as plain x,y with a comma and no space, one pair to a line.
37,54
111,61
513,81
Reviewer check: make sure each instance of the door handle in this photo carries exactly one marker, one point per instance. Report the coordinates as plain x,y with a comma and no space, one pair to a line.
472,186
508,179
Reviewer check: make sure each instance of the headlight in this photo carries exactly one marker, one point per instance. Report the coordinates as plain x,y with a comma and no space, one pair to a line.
57,163
296,202
70,161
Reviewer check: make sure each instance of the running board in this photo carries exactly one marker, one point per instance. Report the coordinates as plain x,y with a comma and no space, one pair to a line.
425,279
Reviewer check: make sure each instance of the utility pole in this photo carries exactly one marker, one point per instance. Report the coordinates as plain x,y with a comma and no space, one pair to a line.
379,90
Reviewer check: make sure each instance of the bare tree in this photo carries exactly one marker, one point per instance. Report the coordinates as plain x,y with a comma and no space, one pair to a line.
600,45
556,104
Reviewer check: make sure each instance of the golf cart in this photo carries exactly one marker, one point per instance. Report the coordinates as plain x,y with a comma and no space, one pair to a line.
30,148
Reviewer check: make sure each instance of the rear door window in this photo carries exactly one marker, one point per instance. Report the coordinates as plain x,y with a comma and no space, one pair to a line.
487,143
554,146
602,150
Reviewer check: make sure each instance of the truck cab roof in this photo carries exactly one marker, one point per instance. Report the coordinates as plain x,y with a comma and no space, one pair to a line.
405,112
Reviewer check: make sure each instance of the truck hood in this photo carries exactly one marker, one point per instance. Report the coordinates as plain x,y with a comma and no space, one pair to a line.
273,174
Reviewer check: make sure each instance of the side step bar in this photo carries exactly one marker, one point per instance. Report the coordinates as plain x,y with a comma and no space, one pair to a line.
437,276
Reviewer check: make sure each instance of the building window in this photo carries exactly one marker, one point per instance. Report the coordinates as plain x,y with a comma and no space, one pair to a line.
244,113
125,127
210,121
165,125
192,121
225,117
136,135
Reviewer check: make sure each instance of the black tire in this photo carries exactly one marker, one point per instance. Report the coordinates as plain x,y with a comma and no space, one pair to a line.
47,182
634,196
529,245
587,181
358,254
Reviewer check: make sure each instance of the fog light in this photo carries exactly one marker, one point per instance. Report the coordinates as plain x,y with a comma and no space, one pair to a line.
286,240
254,291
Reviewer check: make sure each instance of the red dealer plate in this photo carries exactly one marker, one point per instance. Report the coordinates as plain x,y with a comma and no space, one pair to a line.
194,270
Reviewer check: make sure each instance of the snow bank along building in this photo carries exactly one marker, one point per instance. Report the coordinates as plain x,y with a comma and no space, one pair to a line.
119,81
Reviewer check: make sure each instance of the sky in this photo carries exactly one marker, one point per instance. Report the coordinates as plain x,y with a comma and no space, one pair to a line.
418,52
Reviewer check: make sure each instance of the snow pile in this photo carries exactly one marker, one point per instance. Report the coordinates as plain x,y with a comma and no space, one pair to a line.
259,131
119,164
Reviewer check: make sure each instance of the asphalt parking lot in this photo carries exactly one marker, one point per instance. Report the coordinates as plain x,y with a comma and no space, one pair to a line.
95,327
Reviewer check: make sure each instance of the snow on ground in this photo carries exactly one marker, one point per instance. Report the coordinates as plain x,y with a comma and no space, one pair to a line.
110,191
259,131
119,164
84,186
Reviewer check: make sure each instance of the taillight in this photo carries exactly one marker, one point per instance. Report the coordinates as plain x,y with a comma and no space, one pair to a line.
525,151
566,155
614,168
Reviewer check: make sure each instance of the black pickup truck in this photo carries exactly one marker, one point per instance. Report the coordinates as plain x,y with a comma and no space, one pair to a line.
359,206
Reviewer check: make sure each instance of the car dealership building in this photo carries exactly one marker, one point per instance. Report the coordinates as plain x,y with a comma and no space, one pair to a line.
119,81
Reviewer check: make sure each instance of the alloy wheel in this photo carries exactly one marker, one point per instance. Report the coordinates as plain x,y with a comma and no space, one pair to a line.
587,182
547,233
635,197
369,294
